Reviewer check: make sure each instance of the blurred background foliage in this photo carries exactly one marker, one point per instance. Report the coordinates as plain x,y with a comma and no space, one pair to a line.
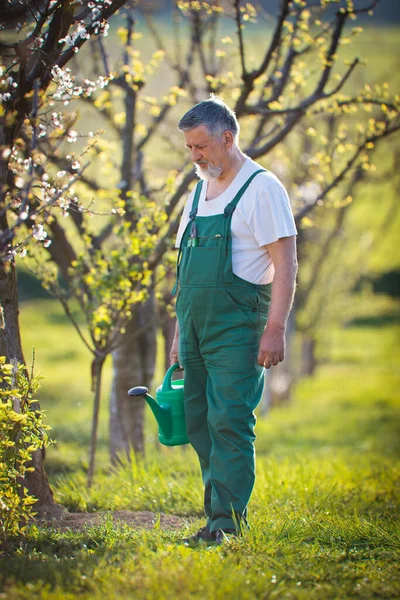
349,266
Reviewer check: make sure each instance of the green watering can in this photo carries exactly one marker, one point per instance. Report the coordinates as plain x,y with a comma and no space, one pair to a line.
168,409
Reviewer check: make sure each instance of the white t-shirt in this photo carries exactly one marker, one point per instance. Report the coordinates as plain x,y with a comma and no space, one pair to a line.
263,216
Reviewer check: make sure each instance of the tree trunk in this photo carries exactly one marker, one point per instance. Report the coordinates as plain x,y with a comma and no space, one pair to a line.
10,338
97,370
308,359
10,347
133,364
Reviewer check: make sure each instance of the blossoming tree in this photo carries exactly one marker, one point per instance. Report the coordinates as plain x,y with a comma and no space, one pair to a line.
39,40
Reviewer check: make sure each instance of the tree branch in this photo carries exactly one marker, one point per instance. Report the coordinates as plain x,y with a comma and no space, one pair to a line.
240,38
309,207
248,81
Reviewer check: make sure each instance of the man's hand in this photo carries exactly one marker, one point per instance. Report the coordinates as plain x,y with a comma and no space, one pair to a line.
272,347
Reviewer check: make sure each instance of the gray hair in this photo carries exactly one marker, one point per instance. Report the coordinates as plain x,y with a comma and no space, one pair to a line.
214,114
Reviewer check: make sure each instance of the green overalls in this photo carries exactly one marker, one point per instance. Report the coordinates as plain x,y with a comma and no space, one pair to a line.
221,318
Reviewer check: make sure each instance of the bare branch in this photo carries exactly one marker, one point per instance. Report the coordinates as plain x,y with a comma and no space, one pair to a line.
309,207
323,250
366,9
239,32
23,46
104,55
248,81
167,107
71,317
282,133
329,58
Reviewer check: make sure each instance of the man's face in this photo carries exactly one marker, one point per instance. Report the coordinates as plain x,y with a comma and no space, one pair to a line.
208,153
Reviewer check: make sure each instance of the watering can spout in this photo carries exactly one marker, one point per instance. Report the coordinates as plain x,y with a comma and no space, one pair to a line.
161,413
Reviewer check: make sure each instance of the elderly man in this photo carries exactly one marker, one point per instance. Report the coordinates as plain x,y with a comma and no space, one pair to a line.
235,280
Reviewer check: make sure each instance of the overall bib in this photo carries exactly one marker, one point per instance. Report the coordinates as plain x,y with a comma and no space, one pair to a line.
221,318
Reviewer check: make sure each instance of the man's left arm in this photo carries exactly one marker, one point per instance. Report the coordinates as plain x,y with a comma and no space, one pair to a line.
272,344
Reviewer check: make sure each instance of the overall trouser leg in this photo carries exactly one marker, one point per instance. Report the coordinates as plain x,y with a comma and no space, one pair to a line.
196,413
232,397
196,406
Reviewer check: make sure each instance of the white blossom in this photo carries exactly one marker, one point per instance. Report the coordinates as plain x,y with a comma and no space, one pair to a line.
72,136
56,120
67,88
64,203
39,233
10,82
80,33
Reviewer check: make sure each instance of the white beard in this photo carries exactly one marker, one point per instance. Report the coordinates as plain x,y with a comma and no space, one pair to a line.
208,174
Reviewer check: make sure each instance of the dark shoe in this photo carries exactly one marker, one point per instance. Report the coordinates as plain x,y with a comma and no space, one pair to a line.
224,536
203,535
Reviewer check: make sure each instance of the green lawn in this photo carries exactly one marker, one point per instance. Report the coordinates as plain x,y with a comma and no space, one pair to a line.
324,513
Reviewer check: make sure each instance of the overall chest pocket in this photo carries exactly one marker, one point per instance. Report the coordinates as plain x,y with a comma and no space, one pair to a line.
200,261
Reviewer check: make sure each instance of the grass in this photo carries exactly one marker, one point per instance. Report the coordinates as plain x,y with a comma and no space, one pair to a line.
324,513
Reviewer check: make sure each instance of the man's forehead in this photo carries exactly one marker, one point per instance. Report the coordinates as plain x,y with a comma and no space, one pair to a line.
197,135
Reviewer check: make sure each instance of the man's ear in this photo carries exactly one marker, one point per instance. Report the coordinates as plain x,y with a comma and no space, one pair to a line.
228,139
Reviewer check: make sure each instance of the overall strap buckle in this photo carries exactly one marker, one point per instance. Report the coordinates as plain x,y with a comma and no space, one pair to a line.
196,199
229,210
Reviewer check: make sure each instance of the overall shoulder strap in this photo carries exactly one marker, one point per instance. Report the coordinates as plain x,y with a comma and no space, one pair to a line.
230,208
196,199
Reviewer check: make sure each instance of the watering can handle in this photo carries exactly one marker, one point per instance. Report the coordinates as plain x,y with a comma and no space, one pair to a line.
166,384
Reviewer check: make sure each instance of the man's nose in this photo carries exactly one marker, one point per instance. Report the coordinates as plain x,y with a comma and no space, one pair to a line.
196,155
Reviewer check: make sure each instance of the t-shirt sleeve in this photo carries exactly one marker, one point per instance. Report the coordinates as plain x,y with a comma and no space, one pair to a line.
184,220
271,217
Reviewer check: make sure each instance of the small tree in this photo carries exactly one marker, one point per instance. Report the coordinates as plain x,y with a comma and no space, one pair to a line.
22,434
